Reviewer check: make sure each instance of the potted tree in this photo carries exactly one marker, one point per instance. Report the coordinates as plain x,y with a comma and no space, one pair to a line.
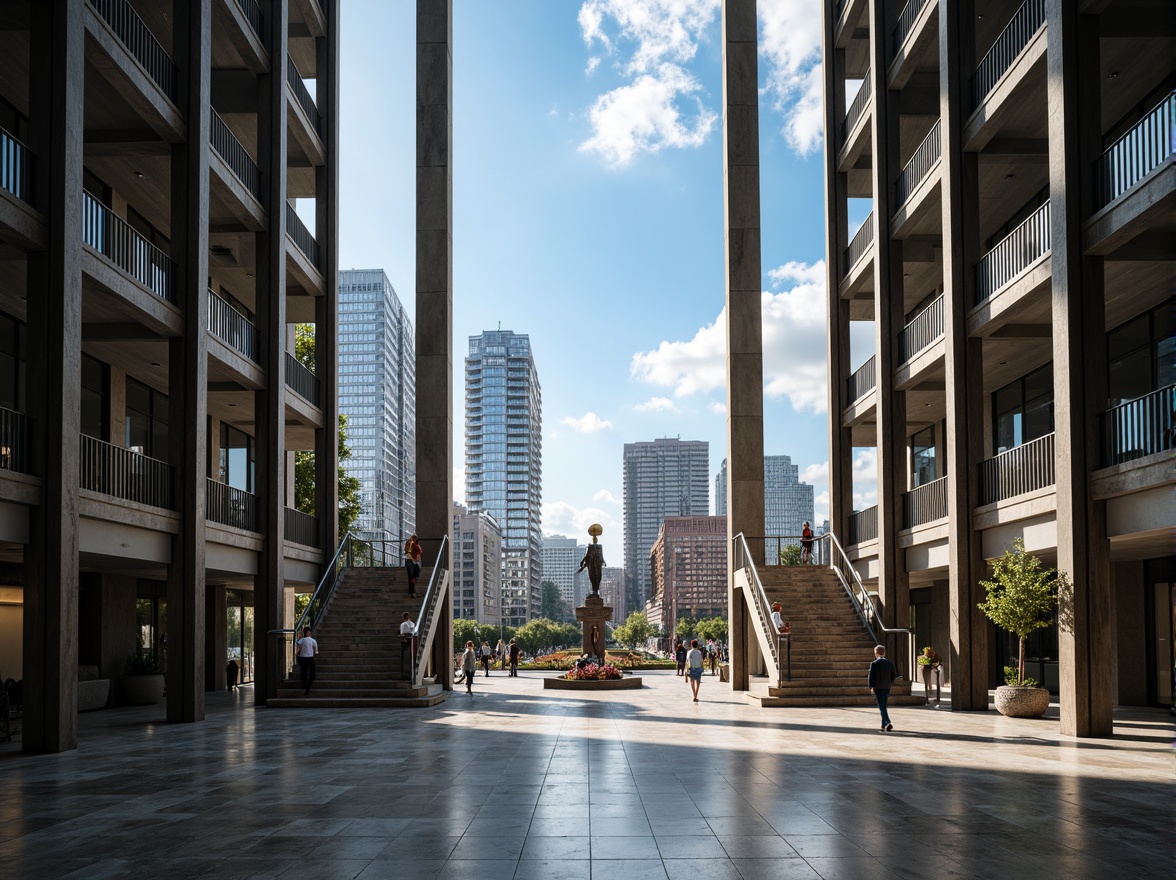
142,681
1020,598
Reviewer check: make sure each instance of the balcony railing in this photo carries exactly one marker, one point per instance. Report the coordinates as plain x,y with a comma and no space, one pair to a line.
920,165
15,167
230,507
925,504
297,230
239,161
1150,143
1017,471
921,332
302,528
305,101
122,245
139,41
126,474
857,107
1013,254
301,380
1139,427
14,442
863,525
906,21
253,15
861,241
1008,46
231,327
862,381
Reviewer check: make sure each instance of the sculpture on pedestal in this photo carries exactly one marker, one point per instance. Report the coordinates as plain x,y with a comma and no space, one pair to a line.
593,614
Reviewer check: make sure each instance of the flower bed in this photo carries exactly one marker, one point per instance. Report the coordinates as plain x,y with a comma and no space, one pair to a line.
621,659
593,672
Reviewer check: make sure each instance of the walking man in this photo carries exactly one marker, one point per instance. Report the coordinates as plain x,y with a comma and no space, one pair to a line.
882,676
514,658
694,669
407,642
305,648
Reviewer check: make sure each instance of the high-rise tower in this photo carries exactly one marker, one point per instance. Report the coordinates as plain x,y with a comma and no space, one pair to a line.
504,454
788,503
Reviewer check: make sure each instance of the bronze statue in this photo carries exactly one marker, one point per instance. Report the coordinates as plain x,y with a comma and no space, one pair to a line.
593,559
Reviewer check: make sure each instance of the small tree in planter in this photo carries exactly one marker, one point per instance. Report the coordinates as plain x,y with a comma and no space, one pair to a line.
1021,596
142,682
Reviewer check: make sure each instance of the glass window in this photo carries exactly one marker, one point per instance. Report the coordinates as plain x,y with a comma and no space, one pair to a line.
1022,411
146,420
237,463
923,468
95,385
1141,355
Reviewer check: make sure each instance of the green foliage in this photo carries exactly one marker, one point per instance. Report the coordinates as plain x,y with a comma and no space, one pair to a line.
542,634
143,663
554,607
1013,679
713,628
636,630
301,600
304,345
791,556
348,485
1021,595
466,631
686,627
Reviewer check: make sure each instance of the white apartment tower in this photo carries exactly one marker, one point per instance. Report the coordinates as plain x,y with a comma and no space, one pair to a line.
561,559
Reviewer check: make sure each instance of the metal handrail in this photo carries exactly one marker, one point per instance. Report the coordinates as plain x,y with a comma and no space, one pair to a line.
301,528
861,240
253,15
779,542
1008,46
924,329
120,243
1018,471
1137,153
1140,427
125,473
742,558
226,145
14,441
230,506
863,525
916,170
906,21
138,40
427,618
1013,254
863,381
301,381
305,101
15,165
857,106
301,236
925,504
227,324
863,603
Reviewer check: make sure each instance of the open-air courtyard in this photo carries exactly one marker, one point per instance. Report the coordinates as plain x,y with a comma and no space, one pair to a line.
516,781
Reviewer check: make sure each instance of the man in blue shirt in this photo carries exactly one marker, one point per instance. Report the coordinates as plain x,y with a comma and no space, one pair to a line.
882,676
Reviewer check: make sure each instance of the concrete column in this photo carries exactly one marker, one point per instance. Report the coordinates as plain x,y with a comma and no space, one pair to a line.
56,87
216,623
434,294
270,405
968,654
745,369
1086,614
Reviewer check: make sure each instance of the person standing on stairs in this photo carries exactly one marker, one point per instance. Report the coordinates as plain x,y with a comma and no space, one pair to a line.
469,665
413,551
407,642
806,543
305,648
881,677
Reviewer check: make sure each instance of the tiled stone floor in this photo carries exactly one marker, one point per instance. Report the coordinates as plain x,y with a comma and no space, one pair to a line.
520,782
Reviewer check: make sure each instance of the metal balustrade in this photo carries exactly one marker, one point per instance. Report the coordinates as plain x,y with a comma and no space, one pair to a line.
231,327
856,107
1013,254
230,506
117,241
1008,46
923,330
125,473
863,525
253,15
302,528
140,42
305,101
14,442
1140,427
861,382
226,145
925,504
860,243
301,380
1150,143
15,167
916,170
302,237
1017,471
906,21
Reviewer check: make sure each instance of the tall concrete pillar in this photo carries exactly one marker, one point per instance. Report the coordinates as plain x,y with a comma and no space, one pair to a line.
56,89
270,402
745,371
188,367
434,293
1086,615
963,367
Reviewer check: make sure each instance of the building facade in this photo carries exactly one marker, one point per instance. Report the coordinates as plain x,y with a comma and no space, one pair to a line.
561,561
688,571
788,503
1015,159
504,460
664,477
377,394
477,566
612,591
155,268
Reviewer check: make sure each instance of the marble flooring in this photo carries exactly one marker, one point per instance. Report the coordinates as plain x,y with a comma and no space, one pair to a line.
519,782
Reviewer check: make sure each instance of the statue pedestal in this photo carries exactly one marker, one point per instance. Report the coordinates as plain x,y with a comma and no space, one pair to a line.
594,614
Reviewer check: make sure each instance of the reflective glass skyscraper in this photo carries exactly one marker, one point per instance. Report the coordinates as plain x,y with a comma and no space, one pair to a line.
788,503
504,456
377,393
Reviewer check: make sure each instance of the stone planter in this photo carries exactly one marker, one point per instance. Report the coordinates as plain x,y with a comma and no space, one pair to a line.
616,684
1021,702
141,690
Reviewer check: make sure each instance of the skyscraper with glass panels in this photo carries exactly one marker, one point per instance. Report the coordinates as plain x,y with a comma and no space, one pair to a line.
377,393
504,455
788,503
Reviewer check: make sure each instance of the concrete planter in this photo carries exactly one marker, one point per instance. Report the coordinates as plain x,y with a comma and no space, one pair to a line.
1021,702
141,690
616,684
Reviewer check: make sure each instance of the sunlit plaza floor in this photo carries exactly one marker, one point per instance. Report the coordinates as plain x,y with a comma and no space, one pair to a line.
520,782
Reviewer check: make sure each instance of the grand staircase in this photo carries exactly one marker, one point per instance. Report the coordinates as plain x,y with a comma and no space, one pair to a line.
358,664
831,647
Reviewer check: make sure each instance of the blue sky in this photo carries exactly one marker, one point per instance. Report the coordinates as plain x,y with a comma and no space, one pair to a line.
588,213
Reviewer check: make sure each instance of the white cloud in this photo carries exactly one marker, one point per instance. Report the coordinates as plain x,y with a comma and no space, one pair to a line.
657,404
606,496
459,485
865,483
790,44
793,338
562,518
719,409
660,105
589,423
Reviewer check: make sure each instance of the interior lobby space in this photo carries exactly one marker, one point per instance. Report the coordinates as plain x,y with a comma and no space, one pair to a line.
516,781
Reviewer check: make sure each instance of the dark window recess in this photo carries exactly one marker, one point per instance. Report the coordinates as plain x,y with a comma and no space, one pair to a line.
146,420
12,363
1141,354
1023,410
95,398
923,469
1018,217
237,463
140,224
95,186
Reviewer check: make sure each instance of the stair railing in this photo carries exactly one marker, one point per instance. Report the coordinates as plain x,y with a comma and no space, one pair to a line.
863,602
428,619
762,617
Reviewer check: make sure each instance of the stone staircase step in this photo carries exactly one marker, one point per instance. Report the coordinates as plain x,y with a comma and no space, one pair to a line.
770,702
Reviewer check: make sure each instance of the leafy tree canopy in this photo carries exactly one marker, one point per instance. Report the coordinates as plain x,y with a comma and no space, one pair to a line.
635,631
